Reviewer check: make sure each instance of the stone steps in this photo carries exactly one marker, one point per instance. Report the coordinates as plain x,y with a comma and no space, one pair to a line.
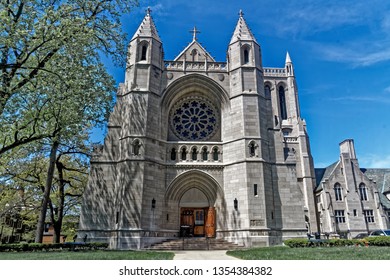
196,243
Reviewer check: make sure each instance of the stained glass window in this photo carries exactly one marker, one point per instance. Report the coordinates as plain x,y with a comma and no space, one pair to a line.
194,119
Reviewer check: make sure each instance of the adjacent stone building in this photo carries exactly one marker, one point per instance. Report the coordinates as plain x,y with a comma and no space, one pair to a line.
350,199
197,147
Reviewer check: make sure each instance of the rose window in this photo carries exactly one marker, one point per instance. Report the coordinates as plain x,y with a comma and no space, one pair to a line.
194,119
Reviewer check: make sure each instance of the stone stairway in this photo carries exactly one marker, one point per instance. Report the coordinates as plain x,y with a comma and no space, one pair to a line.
195,243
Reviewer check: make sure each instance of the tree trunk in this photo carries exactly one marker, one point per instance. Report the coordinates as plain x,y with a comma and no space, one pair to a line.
46,194
60,207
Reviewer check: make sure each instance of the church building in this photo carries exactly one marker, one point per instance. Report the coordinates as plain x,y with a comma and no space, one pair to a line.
197,147
352,200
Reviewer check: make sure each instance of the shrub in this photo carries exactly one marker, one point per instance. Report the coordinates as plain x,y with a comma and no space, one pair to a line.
296,243
378,240
18,247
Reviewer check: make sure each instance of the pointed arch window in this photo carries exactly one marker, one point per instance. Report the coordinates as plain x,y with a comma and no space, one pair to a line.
184,154
215,154
267,91
246,56
363,192
173,154
143,51
282,102
194,154
204,154
338,192
136,147
252,149
194,55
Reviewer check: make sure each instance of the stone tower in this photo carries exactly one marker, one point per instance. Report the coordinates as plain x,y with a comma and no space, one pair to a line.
197,147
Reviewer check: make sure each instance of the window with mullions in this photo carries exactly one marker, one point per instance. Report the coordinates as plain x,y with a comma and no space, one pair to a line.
369,216
363,192
339,216
338,192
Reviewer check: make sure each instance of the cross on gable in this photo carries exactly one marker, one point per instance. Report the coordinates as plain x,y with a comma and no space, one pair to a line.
194,31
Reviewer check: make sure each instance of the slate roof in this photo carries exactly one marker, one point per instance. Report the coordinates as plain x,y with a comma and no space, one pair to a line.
322,174
381,176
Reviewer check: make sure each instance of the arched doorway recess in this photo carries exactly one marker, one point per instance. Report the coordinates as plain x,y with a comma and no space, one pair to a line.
193,198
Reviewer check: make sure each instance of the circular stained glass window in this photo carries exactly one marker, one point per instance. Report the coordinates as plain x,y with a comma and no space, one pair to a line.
194,119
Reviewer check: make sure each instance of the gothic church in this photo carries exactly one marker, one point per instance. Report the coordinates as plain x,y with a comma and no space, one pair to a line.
197,147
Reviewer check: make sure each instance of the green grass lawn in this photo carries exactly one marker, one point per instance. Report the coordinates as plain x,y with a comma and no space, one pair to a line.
87,255
267,253
316,253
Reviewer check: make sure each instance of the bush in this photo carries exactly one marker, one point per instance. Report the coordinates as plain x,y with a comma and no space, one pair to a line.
296,243
300,242
378,240
33,247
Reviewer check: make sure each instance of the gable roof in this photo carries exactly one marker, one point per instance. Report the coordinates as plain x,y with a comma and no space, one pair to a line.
381,176
324,173
194,45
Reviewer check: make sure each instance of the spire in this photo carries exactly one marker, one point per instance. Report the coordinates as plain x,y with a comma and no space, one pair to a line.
242,31
147,27
289,65
288,59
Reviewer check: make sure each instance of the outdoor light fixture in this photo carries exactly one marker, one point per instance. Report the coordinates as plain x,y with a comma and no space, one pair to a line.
153,203
235,204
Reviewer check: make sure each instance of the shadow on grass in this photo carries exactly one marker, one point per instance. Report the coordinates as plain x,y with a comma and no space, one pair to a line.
87,255
316,253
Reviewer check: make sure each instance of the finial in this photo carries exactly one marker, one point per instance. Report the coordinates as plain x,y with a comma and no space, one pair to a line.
241,13
148,11
194,31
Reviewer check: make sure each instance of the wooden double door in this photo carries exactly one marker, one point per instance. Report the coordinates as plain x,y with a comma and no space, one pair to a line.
197,222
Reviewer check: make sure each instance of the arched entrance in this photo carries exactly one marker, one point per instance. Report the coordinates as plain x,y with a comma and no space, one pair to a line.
197,217
193,198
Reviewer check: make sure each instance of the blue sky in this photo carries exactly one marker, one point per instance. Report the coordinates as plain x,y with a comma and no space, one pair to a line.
340,51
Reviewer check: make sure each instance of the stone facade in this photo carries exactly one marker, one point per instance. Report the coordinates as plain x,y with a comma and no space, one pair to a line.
200,147
352,200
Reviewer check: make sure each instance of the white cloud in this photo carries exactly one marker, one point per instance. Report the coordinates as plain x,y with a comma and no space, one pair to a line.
357,53
356,98
374,161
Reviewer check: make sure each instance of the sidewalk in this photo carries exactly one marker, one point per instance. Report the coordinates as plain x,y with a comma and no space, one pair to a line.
202,255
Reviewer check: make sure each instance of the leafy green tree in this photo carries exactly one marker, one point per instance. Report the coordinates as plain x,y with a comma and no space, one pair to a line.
38,39
53,86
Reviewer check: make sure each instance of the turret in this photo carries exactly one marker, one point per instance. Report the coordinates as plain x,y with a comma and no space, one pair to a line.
244,60
145,58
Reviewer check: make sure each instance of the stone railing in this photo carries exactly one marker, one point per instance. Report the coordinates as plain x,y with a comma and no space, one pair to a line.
196,66
274,72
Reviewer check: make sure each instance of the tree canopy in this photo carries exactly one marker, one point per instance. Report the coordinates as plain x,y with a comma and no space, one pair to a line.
53,90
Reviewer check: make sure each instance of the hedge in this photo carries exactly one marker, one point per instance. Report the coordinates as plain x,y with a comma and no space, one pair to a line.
31,247
368,241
